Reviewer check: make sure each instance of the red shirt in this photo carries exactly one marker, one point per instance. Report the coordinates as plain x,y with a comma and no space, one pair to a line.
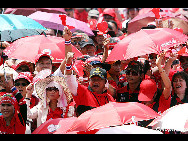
58,113
124,94
87,98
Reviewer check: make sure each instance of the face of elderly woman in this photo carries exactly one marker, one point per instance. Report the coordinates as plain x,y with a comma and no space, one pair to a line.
52,93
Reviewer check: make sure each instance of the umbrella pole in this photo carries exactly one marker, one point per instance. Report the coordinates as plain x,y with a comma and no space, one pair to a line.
57,30
3,10
44,34
3,64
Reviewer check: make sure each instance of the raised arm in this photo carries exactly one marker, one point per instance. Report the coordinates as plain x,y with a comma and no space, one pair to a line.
67,34
164,76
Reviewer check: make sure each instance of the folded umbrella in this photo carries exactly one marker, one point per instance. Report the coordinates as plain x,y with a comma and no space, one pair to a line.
53,21
29,48
112,114
13,27
146,41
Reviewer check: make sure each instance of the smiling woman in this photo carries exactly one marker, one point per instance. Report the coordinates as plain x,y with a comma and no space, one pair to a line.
179,85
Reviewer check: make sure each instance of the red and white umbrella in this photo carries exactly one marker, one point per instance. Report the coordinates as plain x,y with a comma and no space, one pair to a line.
146,41
29,48
174,118
112,114
127,129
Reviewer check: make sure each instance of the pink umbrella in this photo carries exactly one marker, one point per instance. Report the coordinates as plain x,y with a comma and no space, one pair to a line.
145,42
53,21
28,11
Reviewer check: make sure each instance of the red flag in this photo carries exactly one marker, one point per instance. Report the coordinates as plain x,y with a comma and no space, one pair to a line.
64,21
156,12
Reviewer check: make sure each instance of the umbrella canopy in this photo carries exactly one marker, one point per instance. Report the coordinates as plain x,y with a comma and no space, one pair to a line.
29,11
53,21
55,126
179,21
173,118
29,48
112,114
142,20
146,41
127,129
16,26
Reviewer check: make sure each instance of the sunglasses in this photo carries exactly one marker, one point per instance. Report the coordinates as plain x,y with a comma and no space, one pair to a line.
152,57
74,43
52,89
22,84
133,73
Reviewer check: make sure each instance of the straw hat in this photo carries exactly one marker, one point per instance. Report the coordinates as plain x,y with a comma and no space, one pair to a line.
41,85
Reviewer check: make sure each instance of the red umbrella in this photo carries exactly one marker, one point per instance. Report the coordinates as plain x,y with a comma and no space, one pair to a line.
142,20
55,126
112,114
146,41
30,47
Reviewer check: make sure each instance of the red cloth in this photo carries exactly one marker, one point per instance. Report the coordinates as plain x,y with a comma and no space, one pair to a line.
111,12
54,114
34,101
87,98
15,127
82,16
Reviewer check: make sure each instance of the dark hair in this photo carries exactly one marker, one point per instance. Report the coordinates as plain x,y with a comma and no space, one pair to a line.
136,65
113,23
129,9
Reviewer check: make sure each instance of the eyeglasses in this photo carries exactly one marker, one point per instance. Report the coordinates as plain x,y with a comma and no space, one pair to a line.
52,89
23,84
133,73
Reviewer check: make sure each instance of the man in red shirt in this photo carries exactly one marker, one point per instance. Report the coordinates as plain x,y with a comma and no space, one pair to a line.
94,95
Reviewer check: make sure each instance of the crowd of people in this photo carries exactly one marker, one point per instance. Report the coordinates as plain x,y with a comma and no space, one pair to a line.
77,85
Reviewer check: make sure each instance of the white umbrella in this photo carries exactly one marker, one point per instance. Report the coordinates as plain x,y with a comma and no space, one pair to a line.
173,118
127,129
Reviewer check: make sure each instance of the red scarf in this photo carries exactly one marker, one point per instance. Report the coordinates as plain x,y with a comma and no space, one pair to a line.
15,127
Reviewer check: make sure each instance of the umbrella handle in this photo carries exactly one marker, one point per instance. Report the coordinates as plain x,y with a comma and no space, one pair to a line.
44,33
